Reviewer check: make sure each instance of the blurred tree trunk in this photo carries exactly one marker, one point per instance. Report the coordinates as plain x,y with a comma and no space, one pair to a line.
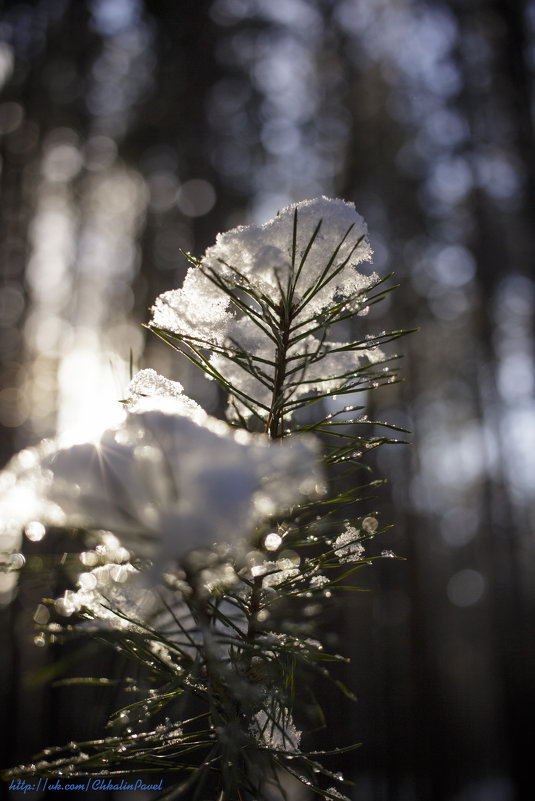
43,43
503,243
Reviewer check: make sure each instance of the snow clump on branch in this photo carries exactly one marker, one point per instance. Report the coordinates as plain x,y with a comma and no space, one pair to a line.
169,479
262,299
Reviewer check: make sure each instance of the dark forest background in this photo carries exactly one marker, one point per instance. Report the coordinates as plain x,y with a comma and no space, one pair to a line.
130,130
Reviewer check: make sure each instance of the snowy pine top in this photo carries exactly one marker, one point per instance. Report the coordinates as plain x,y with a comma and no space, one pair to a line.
265,254
254,281
263,258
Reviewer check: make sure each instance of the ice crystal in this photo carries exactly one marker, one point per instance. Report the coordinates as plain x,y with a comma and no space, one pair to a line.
313,644
280,576
336,794
148,385
272,272
161,652
347,547
113,594
318,582
275,729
